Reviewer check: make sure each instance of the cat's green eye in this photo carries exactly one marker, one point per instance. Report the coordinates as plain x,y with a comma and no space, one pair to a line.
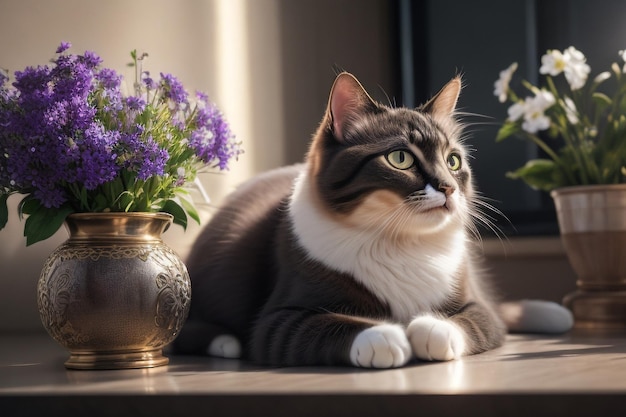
454,161
401,159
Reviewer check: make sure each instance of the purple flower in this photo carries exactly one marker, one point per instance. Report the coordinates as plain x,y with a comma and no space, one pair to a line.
96,162
73,83
212,140
143,156
64,46
51,197
148,81
91,59
173,89
109,79
154,161
32,81
4,77
135,103
68,136
5,94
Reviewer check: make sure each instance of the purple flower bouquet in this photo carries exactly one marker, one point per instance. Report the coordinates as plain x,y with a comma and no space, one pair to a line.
70,141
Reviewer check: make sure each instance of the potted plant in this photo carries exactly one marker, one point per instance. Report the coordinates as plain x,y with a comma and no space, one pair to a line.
114,168
580,125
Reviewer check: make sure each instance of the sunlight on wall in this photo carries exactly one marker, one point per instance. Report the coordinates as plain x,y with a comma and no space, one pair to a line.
232,79
233,73
230,69
235,77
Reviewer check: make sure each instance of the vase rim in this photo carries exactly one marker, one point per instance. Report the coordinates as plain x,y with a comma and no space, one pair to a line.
114,226
116,214
572,189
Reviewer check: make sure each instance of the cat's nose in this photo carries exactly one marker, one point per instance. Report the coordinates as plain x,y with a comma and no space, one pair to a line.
446,188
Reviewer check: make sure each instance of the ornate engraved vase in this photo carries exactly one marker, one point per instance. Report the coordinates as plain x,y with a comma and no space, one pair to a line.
114,294
592,221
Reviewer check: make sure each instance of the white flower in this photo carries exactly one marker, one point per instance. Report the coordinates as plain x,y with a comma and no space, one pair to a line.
570,110
534,116
501,86
533,111
553,63
543,100
571,62
622,54
516,111
602,77
577,70
535,122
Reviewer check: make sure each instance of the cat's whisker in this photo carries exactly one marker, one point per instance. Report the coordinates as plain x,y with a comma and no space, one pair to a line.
486,219
464,114
400,215
469,125
479,207
482,215
390,102
481,202
390,220
472,226
474,232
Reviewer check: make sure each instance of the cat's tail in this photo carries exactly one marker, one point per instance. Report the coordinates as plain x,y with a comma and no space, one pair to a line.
536,316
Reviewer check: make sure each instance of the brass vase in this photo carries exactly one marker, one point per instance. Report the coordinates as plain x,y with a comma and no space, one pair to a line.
114,294
592,221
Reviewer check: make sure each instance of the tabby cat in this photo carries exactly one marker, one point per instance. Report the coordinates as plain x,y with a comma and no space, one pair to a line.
362,256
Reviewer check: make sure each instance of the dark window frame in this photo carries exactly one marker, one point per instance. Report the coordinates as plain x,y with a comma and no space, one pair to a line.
554,24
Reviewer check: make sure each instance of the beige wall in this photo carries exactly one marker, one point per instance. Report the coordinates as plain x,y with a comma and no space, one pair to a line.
268,64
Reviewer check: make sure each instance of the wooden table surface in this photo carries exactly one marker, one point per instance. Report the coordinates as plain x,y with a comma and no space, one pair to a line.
580,373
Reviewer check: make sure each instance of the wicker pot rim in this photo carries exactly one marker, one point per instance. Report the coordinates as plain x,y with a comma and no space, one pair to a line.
577,189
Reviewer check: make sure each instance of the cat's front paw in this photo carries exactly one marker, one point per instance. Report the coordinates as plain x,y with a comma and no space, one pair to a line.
435,339
382,346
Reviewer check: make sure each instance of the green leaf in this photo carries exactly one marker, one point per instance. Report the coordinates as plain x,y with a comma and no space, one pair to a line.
190,209
100,203
538,173
125,201
508,128
44,222
601,99
173,208
4,210
28,205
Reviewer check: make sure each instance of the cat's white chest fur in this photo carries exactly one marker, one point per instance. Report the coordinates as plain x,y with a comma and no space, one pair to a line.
412,277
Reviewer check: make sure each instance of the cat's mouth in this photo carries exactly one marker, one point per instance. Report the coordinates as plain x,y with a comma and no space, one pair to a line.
445,207
435,204
431,200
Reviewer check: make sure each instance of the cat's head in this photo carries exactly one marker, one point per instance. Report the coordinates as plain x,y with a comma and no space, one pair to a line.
373,165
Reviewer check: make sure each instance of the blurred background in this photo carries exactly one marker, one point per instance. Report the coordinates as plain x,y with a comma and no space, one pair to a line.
269,66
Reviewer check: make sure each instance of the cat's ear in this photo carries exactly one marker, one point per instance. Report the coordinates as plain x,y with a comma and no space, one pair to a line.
444,102
348,99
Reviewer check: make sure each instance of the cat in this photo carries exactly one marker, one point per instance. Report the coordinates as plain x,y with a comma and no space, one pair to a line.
363,255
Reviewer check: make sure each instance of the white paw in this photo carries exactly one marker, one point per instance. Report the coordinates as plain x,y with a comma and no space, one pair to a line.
382,346
434,339
225,346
